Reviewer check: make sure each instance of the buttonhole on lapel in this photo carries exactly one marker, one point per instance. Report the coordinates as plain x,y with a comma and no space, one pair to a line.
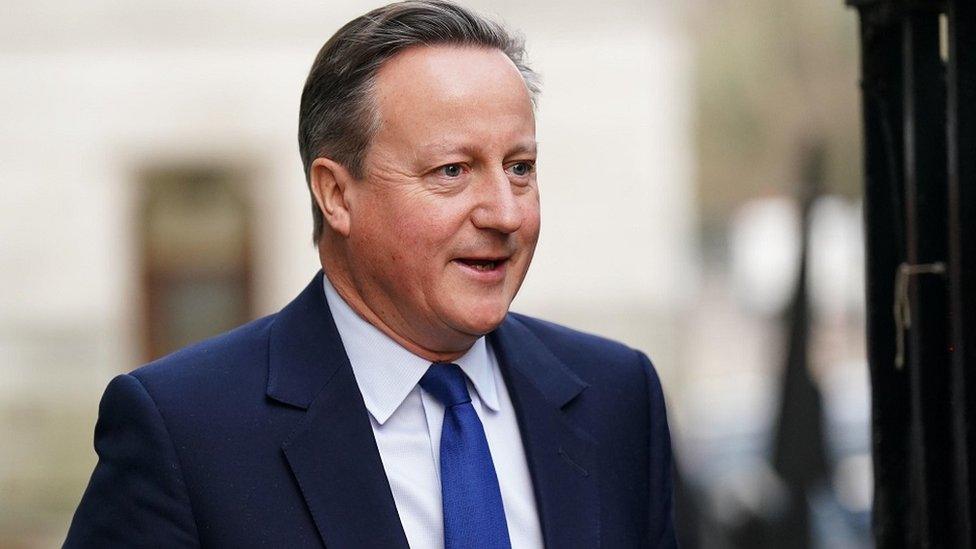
575,465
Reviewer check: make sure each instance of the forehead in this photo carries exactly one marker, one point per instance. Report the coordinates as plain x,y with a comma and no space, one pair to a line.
425,86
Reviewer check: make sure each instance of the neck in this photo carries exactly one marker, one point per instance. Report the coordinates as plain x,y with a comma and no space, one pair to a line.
343,285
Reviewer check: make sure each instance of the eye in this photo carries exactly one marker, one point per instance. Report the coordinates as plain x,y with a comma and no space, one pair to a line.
451,170
523,168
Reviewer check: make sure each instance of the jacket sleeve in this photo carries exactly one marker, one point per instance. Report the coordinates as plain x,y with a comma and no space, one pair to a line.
136,496
661,505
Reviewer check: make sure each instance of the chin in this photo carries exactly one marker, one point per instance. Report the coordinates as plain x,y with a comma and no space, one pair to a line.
484,319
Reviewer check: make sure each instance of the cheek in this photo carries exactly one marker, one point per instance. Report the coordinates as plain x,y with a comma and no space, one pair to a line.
407,237
420,238
531,221
409,247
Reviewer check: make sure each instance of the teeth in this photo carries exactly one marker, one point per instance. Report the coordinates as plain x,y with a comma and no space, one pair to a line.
480,265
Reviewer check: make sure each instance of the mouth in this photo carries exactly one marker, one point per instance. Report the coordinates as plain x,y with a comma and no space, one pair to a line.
485,265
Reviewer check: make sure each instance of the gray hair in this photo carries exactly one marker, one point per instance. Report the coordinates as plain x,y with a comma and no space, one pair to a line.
338,117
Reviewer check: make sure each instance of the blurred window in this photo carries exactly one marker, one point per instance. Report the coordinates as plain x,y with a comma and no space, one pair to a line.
196,256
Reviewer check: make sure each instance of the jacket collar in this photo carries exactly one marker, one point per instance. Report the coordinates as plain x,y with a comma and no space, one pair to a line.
304,348
522,350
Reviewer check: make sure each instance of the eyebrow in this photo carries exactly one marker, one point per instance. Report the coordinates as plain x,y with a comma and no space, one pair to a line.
531,147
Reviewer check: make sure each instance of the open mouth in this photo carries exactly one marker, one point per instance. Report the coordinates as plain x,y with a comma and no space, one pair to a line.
481,264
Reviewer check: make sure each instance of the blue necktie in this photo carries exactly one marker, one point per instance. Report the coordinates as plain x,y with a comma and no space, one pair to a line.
474,516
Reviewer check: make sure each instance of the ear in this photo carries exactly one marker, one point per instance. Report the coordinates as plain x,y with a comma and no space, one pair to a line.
329,181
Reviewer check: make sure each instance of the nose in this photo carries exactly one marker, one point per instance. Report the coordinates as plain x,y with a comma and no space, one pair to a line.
498,205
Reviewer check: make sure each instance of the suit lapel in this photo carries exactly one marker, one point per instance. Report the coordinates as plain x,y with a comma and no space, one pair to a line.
332,453
561,458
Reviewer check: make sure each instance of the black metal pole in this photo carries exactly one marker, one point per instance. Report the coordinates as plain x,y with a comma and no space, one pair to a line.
881,85
931,516
961,143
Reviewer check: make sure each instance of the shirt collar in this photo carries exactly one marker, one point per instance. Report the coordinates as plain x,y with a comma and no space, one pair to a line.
386,372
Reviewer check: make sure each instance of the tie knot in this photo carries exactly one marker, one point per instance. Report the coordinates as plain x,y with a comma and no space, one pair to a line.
446,383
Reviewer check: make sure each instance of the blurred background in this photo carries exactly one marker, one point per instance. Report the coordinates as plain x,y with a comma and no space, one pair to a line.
700,175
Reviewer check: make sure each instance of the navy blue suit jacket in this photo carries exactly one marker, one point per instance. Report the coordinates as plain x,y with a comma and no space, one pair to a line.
260,438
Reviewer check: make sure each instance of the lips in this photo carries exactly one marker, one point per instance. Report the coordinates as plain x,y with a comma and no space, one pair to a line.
482,264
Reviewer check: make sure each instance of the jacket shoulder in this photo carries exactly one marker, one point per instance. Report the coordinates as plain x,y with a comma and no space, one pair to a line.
561,339
218,362
590,356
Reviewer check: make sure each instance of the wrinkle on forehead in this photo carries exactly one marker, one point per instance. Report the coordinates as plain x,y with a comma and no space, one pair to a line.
446,147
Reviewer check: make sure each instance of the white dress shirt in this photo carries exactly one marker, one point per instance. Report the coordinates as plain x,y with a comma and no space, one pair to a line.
407,422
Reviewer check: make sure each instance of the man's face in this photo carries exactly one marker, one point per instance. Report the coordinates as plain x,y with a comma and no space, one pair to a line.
444,225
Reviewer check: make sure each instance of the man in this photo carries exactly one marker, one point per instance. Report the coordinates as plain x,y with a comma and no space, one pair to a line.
395,401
